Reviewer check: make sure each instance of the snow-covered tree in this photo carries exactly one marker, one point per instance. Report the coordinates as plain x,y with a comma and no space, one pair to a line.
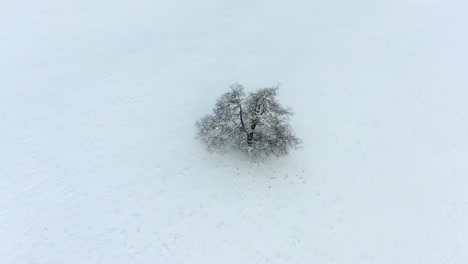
256,124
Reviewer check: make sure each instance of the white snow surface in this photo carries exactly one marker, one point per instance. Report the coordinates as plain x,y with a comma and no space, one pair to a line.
99,161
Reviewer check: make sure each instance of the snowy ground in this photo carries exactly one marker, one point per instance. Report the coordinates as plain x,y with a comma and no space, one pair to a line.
98,161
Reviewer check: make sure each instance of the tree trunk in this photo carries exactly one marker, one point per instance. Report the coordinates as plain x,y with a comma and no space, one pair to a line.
241,118
251,133
250,138
259,111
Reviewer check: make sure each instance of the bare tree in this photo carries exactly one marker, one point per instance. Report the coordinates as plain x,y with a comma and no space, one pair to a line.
256,124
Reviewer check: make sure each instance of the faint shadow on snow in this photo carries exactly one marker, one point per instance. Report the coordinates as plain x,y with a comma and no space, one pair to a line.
235,164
